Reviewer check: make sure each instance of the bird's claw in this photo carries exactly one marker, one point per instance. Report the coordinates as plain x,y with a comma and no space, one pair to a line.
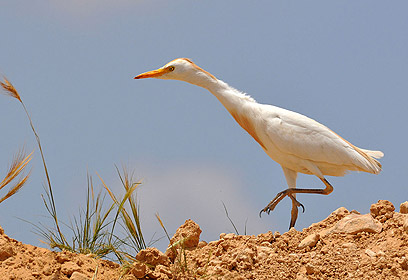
298,204
274,202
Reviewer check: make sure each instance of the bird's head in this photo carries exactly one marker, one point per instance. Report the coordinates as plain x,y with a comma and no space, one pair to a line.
182,69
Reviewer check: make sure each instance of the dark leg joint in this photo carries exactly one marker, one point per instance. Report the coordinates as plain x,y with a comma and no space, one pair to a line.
296,204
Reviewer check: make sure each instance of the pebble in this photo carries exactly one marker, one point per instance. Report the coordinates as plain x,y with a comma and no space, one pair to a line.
349,245
68,268
370,253
404,207
380,253
6,251
309,241
325,249
202,244
78,276
310,269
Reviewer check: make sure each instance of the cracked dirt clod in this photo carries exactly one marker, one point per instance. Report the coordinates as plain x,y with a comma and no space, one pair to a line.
382,210
404,207
152,256
187,237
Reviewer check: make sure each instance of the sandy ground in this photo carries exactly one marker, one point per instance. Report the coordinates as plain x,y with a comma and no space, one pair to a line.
346,245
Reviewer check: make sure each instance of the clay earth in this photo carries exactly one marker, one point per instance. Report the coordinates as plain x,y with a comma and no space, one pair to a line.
345,245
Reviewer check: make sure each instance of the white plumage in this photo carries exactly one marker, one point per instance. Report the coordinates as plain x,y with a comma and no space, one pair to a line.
298,143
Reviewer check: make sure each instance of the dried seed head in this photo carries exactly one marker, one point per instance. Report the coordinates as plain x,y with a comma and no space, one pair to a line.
17,167
10,89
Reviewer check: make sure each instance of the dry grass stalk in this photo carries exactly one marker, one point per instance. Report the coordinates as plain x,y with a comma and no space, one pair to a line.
17,166
10,89
131,220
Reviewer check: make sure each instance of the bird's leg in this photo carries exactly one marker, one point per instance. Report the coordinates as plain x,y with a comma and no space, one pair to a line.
291,193
295,211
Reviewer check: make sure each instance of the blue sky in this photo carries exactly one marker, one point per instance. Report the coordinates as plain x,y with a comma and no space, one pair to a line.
342,63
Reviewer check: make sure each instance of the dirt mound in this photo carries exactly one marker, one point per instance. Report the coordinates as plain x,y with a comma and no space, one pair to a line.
346,245
20,261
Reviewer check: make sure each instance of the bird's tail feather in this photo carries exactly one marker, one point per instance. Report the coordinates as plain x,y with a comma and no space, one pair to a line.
374,154
374,166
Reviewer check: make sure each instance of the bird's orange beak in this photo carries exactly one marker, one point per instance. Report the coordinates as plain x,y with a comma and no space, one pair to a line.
153,74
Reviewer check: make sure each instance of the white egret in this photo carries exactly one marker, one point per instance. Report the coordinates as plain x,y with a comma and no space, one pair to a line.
298,143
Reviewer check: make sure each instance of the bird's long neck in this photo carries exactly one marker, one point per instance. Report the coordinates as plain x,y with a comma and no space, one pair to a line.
231,98
235,102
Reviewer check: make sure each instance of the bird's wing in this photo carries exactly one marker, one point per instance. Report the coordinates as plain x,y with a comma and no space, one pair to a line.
294,134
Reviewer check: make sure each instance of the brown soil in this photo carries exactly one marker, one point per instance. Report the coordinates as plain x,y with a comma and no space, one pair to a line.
346,245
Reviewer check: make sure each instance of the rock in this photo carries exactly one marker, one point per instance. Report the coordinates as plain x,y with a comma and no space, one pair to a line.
1,231
355,223
380,253
382,210
78,276
47,270
325,232
404,207
310,241
56,276
325,249
152,256
68,268
62,257
139,270
202,244
310,269
187,236
370,253
349,245
6,250
229,236
340,212
265,237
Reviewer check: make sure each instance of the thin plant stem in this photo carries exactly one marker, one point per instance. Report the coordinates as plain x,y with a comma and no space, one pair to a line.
12,91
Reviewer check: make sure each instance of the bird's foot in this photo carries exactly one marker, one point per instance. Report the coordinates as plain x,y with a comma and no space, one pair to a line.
288,192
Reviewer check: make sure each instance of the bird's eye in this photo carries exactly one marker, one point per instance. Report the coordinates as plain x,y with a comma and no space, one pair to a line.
171,68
